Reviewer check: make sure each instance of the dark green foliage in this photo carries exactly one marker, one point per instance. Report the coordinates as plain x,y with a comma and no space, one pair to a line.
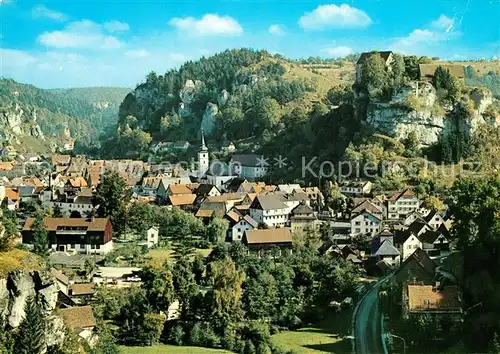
491,80
87,111
9,222
40,236
442,78
113,194
176,335
106,343
31,334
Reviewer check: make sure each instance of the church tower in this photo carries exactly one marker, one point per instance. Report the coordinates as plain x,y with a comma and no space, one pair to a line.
203,163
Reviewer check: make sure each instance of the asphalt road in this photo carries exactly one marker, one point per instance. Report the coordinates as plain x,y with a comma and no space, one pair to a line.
367,331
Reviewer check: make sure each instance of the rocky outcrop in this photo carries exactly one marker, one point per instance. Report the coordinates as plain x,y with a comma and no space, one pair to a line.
16,121
188,92
208,120
397,119
223,98
15,290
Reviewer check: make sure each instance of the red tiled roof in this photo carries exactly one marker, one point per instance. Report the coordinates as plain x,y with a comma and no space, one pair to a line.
427,297
51,224
182,199
270,236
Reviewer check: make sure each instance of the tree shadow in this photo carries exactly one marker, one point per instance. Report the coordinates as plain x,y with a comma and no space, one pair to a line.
342,346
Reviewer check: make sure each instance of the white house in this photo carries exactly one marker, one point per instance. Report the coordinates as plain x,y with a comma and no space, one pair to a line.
245,223
355,188
407,242
434,219
411,217
152,236
269,210
365,223
62,281
249,166
402,203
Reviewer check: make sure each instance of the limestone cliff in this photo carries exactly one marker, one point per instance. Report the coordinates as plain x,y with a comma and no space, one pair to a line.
16,288
425,116
16,121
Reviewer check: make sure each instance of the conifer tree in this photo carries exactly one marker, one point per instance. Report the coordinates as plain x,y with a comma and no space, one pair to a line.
31,335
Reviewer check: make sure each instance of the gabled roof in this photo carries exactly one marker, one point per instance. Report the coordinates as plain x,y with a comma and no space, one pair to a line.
82,289
61,159
51,224
387,249
302,209
368,206
251,221
59,276
399,194
78,317
431,215
267,202
422,259
269,236
204,189
182,199
400,236
12,193
77,182
204,213
233,216
179,189
417,225
430,236
289,188
385,55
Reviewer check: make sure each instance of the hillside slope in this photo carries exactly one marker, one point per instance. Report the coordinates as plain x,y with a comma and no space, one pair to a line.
28,111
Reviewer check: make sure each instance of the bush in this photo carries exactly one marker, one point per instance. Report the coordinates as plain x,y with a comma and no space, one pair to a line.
195,335
209,338
176,335
228,340
249,348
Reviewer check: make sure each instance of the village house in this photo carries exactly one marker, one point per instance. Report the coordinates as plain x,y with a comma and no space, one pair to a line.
249,166
81,202
303,218
365,223
355,188
406,242
402,203
370,207
269,210
387,58
152,237
88,236
80,320
240,225
62,281
181,145
435,241
417,267
206,190
434,219
268,242
183,201
81,292
388,253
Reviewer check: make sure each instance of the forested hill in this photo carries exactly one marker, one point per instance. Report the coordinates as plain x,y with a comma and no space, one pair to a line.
234,95
85,111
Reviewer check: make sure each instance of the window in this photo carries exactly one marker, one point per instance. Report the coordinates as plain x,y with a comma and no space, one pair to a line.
72,246
97,246
239,229
357,230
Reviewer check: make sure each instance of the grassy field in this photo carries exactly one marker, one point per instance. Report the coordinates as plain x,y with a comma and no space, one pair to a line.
327,337
170,349
165,254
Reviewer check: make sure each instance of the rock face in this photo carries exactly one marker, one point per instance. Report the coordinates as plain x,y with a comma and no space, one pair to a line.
208,120
428,123
16,121
15,290
189,90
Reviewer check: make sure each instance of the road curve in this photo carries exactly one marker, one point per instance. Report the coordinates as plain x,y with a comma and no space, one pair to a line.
367,331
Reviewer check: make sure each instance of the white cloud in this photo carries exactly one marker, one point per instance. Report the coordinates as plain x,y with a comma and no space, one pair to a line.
333,16
178,57
276,30
336,52
137,53
443,22
116,26
42,11
15,58
423,39
83,34
208,25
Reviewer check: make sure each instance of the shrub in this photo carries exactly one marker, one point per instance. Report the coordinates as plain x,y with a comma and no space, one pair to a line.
415,103
176,335
228,340
249,348
209,338
195,335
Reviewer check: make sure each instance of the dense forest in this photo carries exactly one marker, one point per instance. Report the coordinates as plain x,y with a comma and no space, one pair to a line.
86,112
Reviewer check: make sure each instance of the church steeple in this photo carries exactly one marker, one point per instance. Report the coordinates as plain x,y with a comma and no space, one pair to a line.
203,146
203,159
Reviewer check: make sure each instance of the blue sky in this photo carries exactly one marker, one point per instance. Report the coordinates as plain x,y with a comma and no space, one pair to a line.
66,43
